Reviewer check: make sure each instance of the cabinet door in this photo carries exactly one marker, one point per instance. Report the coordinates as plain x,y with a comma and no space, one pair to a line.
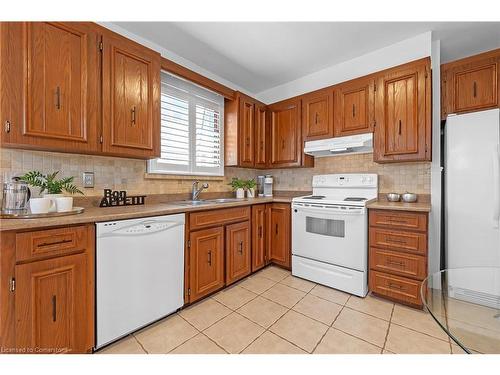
51,305
286,142
206,262
355,106
475,88
51,72
238,251
402,110
278,232
317,115
259,245
246,133
131,98
260,136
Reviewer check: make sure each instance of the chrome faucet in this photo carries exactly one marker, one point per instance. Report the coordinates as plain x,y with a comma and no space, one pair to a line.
196,191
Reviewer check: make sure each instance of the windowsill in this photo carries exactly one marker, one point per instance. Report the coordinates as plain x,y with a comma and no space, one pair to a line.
164,176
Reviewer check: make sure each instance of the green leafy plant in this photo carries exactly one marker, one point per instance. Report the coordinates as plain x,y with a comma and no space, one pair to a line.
250,184
237,183
49,183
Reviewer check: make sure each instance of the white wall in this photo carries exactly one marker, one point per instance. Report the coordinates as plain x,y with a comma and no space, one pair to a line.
399,53
435,214
173,56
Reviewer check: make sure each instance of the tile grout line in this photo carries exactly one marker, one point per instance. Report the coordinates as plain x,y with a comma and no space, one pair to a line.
388,328
140,343
200,332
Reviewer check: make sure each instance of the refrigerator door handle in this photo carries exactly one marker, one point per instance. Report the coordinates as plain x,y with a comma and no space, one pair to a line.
496,187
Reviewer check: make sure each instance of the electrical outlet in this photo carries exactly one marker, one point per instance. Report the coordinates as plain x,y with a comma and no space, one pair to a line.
88,179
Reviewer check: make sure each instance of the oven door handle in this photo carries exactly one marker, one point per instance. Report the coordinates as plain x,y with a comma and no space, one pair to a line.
326,211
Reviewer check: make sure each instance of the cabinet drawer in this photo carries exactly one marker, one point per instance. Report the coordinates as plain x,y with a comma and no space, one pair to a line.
399,219
50,242
395,287
399,240
212,218
408,265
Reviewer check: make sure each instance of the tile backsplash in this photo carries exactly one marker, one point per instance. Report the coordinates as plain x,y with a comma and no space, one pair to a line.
130,174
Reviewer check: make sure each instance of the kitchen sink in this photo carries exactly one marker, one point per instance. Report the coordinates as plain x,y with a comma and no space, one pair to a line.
204,202
224,200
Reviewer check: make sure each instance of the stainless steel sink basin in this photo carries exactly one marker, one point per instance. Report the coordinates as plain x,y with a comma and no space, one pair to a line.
224,200
190,203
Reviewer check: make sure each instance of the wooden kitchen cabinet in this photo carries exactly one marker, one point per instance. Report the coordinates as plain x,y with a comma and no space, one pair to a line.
398,255
131,98
261,136
470,84
47,290
51,305
259,244
286,145
238,252
317,114
279,234
245,132
50,86
403,113
206,262
354,109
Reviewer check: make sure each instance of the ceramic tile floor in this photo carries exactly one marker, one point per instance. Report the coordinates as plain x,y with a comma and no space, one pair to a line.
275,313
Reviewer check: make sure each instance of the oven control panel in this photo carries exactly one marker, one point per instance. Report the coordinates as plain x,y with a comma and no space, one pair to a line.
345,180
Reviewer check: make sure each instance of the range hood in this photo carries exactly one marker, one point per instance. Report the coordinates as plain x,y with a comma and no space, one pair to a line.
351,144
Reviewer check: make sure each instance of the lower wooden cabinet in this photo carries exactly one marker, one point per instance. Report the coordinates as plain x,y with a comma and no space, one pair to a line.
259,244
47,298
279,234
206,262
51,305
238,252
398,254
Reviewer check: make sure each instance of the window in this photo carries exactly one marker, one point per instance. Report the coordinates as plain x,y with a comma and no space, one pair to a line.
192,124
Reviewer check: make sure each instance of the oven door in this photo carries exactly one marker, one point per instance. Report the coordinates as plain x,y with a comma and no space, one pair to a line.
331,234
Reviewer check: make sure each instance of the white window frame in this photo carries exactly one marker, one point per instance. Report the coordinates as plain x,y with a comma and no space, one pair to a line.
209,99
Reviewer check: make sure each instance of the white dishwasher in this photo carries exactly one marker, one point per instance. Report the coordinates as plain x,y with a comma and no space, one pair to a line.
139,273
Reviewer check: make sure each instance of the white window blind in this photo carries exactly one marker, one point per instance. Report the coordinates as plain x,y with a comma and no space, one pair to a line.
192,124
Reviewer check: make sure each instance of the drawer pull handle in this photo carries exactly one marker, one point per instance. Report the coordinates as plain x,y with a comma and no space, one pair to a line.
474,89
240,247
54,308
210,257
58,97
395,240
132,113
260,231
395,286
43,244
392,220
395,263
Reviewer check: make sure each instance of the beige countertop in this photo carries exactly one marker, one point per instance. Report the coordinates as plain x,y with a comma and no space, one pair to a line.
422,205
94,214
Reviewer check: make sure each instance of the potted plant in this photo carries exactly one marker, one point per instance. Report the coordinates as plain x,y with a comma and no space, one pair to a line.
238,186
250,186
52,186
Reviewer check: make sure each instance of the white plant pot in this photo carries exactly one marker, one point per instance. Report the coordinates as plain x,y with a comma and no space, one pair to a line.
240,193
52,197
251,193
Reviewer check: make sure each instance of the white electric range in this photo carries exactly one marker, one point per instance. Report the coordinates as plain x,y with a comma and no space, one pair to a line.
330,231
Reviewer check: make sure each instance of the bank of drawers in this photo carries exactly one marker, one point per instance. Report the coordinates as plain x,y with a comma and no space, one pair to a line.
398,254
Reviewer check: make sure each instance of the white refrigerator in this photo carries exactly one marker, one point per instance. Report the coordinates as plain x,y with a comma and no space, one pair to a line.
472,189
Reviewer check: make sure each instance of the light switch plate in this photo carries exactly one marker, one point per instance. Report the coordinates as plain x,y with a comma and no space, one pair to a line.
88,179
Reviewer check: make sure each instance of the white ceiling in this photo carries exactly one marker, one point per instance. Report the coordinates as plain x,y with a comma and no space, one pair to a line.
260,55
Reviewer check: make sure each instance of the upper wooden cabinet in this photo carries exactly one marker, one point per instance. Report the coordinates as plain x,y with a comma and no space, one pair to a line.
245,132
354,109
470,84
261,136
317,115
49,85
131,98
286,145
52,75
403,113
